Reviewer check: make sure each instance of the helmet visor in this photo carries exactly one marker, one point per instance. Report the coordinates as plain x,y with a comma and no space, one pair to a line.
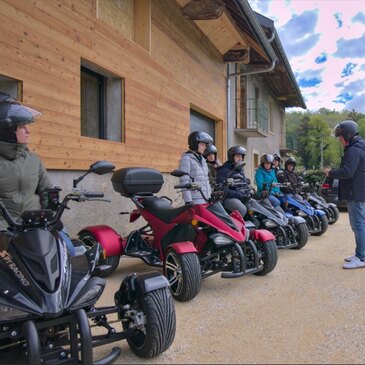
19,114
336,131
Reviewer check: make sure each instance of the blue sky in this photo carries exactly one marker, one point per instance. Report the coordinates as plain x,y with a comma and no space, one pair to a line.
324,41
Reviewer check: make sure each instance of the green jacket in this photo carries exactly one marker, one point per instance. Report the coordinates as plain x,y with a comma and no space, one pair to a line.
23,179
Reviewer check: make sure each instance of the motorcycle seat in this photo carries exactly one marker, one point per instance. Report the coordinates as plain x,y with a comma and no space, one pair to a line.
162,208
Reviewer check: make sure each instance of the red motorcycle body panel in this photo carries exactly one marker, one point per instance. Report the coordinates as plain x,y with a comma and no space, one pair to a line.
184,247
108,238
262,235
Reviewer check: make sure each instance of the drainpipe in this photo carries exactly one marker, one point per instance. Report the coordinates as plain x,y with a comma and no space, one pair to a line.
247,13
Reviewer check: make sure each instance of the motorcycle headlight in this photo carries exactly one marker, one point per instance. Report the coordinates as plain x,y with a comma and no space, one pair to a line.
11,314
268,223
221,240
89,297
301,213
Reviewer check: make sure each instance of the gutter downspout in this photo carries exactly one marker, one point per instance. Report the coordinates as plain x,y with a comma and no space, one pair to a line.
247,13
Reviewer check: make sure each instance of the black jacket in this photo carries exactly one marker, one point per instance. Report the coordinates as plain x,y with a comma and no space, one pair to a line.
351,173
288,176
224,172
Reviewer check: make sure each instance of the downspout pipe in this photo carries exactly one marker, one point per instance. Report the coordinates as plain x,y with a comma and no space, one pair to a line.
247,13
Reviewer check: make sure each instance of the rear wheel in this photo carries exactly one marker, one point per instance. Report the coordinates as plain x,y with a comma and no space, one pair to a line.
269,256
335,212
324,224
183,273
302,235
113,261
159,327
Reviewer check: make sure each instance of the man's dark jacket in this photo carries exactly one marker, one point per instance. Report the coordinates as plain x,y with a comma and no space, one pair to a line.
234,192
288,176
351,173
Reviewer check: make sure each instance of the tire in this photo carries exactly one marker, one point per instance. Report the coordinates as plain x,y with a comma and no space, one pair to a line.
335,212
160,326
183,273
302,235
89,241
269,256
324,223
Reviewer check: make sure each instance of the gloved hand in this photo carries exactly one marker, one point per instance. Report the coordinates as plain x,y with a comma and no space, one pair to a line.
188,203
265,194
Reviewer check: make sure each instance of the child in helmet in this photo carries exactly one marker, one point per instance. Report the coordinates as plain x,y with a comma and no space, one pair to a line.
264,177
236,196
194,163
277,163
289,175
213,163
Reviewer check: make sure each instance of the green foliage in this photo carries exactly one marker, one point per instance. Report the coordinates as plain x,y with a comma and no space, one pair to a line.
312,177
308,134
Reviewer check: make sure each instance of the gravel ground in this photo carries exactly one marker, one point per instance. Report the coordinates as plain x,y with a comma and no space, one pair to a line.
308,310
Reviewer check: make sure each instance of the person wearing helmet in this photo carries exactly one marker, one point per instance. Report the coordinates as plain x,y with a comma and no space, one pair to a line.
351,175
289,175
237,195
277,163
210,155
24,180
194,163
264,177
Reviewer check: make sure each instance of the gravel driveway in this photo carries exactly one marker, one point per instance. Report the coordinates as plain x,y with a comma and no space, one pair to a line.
308,310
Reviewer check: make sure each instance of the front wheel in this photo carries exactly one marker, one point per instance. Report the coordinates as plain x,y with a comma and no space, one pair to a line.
302,234
269,256
335,213
324,224
112,261
183,273
159,328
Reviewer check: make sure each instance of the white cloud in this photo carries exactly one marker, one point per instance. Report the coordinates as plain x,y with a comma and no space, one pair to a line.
320,27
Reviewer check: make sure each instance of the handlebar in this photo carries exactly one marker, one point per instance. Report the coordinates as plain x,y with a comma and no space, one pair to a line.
78,196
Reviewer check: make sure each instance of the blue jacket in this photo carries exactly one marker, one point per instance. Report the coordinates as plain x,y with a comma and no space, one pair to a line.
351,173
262,177
234,192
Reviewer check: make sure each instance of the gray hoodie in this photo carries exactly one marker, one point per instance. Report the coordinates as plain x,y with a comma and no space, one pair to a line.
198,169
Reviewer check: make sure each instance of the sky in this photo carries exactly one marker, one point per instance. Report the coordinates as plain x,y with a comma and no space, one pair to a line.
324,41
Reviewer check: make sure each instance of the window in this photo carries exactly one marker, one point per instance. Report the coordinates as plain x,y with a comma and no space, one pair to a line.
101,103
11,86
200,122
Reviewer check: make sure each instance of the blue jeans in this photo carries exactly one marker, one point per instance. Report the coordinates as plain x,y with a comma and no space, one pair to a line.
275,202
356,211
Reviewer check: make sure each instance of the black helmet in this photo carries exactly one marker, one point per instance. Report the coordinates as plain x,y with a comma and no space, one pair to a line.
210,149
236,150
347,129
13,114
277,157
196,137
290,160
267,158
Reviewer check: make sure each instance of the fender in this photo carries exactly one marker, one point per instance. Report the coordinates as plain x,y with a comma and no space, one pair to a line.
319,212
109,239
183,247
262,235
297,220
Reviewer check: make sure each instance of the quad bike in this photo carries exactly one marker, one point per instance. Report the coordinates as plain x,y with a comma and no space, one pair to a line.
316,219
289,231
47,298
318,202
190,242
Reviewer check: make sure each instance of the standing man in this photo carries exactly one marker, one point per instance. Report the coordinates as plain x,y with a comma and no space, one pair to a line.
351,175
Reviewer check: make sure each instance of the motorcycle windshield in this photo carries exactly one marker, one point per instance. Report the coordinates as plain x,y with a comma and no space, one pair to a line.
218,210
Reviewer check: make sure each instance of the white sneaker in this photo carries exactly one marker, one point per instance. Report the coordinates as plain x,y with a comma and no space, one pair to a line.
349,258
356,263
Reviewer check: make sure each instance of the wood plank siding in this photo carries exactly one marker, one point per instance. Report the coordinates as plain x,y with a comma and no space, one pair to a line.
166,72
